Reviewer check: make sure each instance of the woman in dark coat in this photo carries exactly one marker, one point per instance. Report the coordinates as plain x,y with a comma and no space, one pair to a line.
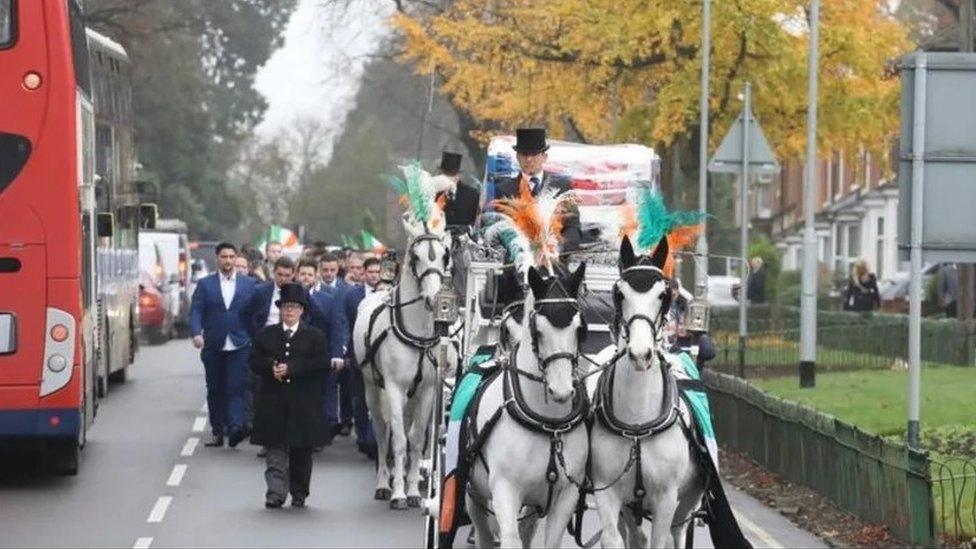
291,358
862,290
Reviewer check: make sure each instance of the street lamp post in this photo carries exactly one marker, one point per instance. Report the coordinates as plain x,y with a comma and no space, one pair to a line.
808,296
701,248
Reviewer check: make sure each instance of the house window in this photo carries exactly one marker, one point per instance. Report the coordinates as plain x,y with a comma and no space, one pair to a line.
879,260
853,242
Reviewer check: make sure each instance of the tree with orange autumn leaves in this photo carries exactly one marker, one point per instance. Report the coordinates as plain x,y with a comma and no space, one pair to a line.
628,70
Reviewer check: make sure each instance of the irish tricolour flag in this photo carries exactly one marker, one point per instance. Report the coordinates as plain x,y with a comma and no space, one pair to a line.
277,233
371,243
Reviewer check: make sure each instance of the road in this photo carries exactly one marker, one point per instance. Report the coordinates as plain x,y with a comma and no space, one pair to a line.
144,482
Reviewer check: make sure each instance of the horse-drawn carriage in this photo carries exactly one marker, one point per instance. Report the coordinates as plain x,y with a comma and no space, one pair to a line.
511,383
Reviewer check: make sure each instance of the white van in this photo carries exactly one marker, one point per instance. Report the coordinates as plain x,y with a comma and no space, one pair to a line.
174,251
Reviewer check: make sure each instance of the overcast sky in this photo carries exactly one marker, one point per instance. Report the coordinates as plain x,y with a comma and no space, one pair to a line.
316,73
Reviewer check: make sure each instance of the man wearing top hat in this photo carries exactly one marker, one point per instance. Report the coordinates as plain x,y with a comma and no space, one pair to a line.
291,357
461,209
530,152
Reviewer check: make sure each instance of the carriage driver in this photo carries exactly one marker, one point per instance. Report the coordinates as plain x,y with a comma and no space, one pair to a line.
291,357
531,153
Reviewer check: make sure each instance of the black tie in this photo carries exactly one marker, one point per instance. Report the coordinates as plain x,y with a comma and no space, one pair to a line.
288,333
535,184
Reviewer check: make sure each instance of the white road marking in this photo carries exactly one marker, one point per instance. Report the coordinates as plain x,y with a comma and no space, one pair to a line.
159,510
142,543
176,477
763,535
189,447
199,424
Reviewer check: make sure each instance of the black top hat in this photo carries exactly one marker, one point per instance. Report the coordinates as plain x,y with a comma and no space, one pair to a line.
531,140
450,162
292,293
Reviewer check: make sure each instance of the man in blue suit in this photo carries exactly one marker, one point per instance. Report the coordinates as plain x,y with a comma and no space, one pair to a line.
219,329
356,293
262,311
329,281
328,315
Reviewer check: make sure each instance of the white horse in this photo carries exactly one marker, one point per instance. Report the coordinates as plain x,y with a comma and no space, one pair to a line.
530,419
393,341
641,456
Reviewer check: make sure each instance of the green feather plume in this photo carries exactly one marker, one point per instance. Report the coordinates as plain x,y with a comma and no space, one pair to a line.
654,220
411,187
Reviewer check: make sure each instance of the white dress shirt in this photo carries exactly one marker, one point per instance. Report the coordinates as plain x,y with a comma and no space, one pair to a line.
274,314
228,285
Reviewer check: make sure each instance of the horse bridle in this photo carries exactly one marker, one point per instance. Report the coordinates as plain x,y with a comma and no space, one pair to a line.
414,258
623,327
573,357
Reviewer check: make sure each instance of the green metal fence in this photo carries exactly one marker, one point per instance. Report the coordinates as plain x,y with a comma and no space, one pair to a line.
879,480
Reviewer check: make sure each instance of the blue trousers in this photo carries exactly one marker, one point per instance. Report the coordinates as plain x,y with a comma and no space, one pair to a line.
330,404
360,412
345,395
227,374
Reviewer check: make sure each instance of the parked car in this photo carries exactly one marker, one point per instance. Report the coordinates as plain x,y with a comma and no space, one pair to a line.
723,291
156,320
174,246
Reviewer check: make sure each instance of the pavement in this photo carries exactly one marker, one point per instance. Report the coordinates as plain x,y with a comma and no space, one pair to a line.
146,480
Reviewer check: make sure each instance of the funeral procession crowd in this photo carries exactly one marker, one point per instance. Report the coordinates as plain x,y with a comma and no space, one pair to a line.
275,335
275,340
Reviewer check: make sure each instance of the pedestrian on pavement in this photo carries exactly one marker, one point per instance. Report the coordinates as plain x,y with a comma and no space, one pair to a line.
290,358
949,289
862,289
756,282
219,329
329,316
365,440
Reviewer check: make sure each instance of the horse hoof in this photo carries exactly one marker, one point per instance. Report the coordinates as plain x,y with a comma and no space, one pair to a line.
413,501
398,504
382,494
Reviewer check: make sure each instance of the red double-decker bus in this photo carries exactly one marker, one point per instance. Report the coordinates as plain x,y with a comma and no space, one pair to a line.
48,233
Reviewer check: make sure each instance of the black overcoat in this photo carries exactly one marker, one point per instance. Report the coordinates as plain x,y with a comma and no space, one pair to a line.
290,414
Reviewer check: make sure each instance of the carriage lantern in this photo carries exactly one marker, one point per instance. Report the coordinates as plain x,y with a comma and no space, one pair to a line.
445,304
697,315
389,268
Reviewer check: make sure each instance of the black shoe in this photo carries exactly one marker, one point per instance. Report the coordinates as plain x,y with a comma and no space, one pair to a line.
369,450
236,437
216,441
273,504
297,502
345,428
263,452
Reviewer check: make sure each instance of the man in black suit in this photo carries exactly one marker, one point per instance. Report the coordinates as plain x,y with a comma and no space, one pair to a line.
291,357
461,208
530,152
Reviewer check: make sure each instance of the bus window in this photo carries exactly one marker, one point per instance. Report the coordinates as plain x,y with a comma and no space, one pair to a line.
6,23
79,47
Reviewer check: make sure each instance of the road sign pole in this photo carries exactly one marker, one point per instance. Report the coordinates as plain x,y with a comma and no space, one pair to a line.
808,288
701,249
744,229
915,257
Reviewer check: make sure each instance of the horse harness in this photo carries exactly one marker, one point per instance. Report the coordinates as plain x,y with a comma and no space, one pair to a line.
394,306
603,410
515,406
